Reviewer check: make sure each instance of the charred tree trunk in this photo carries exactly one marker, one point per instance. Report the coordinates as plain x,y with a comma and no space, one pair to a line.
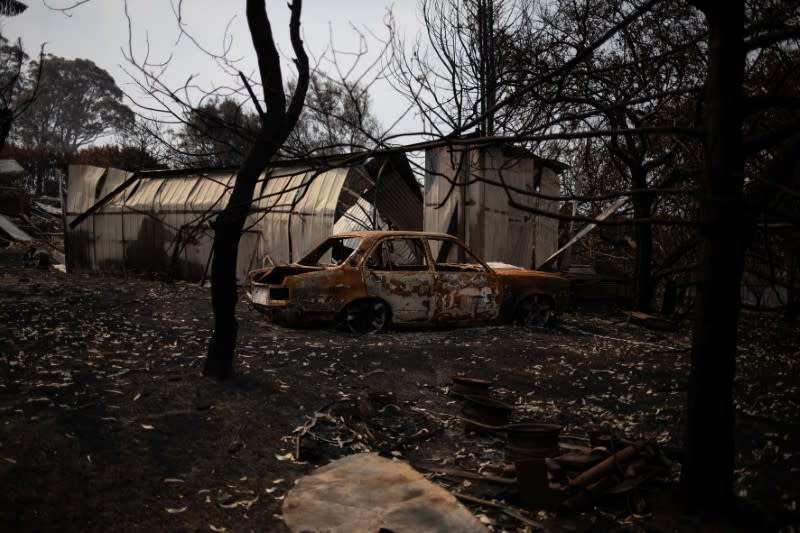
6,117
276,124
227,231
643,234
707,474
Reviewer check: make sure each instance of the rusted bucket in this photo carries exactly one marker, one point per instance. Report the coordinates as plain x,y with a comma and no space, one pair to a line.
534,488
529,443
539,438
601,438
470,386
487,412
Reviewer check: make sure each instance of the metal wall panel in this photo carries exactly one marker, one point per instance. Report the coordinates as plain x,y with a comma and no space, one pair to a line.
313,218
81,195
162,220
480,213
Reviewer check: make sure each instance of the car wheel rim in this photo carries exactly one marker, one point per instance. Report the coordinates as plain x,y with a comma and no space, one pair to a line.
535,313
366,317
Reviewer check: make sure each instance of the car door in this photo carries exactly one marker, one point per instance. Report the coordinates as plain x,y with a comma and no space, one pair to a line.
397,271
466,289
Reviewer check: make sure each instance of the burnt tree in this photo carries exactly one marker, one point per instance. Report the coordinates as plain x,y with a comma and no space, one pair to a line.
707,474
277,123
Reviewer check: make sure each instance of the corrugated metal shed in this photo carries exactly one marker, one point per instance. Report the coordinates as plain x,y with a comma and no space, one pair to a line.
465,196
159,221
297,211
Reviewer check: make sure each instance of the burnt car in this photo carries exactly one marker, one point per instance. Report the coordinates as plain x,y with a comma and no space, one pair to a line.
371,279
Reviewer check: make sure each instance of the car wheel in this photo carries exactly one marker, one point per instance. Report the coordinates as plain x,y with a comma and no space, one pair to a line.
366,316
535,312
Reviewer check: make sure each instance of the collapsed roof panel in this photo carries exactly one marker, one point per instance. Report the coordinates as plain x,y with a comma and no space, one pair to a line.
14,231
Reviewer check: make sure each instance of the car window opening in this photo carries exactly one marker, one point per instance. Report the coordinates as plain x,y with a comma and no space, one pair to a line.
332,252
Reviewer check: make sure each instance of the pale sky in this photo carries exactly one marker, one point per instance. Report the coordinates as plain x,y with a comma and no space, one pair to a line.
98,31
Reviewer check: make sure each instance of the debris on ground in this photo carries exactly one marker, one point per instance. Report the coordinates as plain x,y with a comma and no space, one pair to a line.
526,469
651,321
108,424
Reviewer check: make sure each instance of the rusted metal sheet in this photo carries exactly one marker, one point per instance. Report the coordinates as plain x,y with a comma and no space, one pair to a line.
409,294
470,385
467,296
482,412
366,492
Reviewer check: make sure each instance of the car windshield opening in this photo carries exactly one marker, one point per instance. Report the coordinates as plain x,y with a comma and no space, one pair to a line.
332,252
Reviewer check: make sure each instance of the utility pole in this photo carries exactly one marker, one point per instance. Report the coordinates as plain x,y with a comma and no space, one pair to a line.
487,83
491,81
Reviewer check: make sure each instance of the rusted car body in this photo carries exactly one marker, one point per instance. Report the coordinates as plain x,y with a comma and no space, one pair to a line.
368,280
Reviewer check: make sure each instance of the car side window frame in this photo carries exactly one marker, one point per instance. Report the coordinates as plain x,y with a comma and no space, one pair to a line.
378,247
468,253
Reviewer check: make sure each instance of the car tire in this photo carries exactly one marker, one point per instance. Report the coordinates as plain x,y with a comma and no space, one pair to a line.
366,316
534,312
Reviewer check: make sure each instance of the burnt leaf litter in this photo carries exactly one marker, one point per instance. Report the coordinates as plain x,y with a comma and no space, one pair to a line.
107,423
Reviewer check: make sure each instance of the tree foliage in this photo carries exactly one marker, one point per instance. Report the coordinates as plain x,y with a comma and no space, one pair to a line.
130,158
18,84
11,7
336,118
76,104
216,133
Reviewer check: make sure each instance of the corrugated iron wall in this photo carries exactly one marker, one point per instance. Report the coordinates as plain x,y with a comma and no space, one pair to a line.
296,211
464,197
161,221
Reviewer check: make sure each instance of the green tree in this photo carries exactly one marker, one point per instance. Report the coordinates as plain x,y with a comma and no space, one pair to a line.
18,88
124,157
11,7
216,134
336,118
77,103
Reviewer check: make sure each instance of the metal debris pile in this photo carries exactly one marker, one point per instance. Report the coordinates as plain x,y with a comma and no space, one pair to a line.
379,422
35,224
531,466
523,470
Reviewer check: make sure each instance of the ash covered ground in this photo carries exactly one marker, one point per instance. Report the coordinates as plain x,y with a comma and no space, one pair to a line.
107,423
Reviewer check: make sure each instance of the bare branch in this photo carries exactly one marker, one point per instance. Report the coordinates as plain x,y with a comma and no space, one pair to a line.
299,96
253,98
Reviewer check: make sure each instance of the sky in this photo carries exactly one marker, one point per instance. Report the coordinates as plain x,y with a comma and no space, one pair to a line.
98,30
